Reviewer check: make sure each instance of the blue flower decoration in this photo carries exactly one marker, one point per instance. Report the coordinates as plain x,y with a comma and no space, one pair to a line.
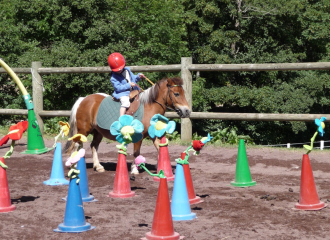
159,125
127,129
321,125
206,139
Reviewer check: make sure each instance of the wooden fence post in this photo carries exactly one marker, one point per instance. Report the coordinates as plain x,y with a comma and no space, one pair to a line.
37,93
186,126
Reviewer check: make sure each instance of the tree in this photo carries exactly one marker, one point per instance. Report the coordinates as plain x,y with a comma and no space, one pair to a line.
260,32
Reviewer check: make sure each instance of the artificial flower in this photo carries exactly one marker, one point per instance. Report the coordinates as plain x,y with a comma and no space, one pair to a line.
197,145
138,160
4,140
75,157
159,125
78,138
127,129
65,127
15,132
321,125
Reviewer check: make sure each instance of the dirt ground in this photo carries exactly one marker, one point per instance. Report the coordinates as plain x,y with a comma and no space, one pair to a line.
264,211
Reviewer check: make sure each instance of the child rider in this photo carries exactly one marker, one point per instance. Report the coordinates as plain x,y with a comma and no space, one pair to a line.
122,80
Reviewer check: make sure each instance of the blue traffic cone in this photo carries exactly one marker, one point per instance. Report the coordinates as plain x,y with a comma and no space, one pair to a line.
83,184
57,174
180,206
86,197
74,219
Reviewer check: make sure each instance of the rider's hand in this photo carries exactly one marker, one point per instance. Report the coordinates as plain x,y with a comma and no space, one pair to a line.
141,75
133,84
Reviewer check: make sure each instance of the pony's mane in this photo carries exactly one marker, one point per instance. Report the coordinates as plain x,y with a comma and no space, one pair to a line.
150,95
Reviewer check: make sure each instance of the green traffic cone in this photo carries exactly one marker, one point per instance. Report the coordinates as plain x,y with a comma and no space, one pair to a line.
243,176
35,142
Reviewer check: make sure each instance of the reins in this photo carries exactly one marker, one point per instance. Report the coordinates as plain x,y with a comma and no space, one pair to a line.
169,94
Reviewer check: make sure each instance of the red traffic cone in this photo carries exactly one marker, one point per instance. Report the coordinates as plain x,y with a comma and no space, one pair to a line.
309,199
162,225
164,162
193,199
5,202
122,187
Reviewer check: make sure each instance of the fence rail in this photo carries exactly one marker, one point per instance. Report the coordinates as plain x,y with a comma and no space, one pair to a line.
186,67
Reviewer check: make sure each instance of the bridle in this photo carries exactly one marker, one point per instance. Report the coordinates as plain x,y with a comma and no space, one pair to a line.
169,95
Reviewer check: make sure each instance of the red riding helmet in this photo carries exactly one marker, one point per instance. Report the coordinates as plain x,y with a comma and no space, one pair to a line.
116,62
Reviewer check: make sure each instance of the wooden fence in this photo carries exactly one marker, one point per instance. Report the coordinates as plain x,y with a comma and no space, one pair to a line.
186,67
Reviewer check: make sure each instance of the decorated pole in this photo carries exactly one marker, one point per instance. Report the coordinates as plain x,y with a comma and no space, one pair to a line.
127,130
159,126
35,142
309,199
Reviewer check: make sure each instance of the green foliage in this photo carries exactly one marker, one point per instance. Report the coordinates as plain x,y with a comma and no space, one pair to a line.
72,33
229,136
175,136
52,126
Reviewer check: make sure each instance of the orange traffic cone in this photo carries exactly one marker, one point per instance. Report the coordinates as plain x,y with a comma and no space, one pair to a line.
193,199
309,199
122,187
164,162
5,202
162,225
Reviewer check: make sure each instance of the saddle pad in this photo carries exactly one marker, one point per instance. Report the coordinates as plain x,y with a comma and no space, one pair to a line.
109,112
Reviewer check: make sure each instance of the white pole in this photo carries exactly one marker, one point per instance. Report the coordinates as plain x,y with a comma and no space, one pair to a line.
321,144
288,145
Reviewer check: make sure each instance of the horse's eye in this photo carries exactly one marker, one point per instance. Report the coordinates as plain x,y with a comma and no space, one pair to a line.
177,94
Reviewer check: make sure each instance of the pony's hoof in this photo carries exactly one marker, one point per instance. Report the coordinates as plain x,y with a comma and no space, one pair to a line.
135,171
99,168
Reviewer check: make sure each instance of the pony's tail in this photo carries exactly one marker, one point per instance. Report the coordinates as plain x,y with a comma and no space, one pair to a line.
73,126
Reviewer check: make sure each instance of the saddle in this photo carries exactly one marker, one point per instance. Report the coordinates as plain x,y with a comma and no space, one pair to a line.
133,95
108,111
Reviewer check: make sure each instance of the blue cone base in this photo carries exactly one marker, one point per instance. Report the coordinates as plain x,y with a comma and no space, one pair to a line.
56,182
75,229
243,184
187,217
38,151
89,199
85,199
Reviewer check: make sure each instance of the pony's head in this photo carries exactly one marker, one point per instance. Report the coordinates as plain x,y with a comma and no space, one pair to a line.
168,93
175,97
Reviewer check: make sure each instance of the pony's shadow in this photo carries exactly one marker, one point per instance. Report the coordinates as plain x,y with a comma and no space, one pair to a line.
151,167
111,166
24,199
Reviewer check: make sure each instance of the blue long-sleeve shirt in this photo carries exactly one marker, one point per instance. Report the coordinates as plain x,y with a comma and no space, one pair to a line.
120,84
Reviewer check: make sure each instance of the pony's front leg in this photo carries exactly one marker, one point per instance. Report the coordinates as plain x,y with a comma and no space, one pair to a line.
97,138
156,142
96,163
137,148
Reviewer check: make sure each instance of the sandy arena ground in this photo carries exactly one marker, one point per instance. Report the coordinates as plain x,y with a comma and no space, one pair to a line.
264,211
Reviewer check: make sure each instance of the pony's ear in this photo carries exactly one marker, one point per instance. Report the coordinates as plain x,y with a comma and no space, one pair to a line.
174,81
170,82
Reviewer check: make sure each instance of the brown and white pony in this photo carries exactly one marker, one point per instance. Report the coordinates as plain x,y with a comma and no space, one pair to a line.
166,93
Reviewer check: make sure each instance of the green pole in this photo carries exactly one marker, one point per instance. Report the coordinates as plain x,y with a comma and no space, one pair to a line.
35,143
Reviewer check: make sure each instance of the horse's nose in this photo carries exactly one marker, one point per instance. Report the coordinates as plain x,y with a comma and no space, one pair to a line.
188,112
